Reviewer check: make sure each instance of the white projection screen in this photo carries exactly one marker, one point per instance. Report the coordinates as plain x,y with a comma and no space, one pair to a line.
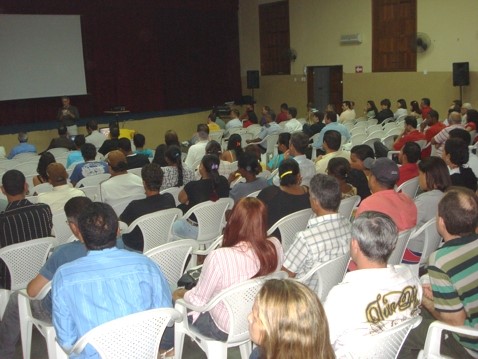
41,56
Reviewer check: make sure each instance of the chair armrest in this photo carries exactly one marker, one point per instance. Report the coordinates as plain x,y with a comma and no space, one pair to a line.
42,294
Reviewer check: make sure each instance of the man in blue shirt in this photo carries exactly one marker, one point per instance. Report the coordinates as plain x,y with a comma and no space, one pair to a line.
106,284
331,123
23,146
90,167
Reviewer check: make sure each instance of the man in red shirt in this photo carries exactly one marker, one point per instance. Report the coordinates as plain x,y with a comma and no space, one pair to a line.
434,127
283,114
410,133
425,107
408,157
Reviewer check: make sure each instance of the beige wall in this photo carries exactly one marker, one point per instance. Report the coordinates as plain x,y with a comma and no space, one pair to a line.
152,128
315,29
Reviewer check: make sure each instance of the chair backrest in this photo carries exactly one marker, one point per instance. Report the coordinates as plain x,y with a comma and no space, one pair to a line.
388,141
254,194
409,187
61,228
42,188
92,180
358,138
133,336
254,130
290,225
374,128
172,257
347,205
375,134
370,141
156,227
210,218
174,191
92,192
216,135
428,233
26,156
271,141
324,276
402,242
59,151
136,171
384,345
397,131
27,168
372,121
25,259
120,204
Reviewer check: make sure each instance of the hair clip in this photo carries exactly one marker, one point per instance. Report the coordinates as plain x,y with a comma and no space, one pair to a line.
285,174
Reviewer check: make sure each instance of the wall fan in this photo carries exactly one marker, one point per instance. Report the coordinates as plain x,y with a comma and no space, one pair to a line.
422,42
291,54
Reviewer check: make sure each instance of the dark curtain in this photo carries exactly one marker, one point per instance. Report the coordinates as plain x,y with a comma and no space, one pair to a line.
144,55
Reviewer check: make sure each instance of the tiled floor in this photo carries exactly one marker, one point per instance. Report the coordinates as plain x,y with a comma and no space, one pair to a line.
191,350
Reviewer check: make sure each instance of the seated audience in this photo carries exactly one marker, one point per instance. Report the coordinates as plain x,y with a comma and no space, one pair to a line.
282,148
472,120
375,297
152,176
62,141
22,147
289,197
271,127
425,107
332,148
210,187
234,122
62,190
327,234
134,160
121,184
473,158
288,321
298,144
22,220
139,141
456,155
431,127
408,157
174,173
234,148
385,112
358,154
170,139
415,110
75,156
439,140
316,126
94,136
225,167
348,113
401,109
339,168
246,253
449,291
409,134
211,123
248,167
371,110
90,166
78,306
110,144
45,159
198,150
283,113
292,124
331,123
249,117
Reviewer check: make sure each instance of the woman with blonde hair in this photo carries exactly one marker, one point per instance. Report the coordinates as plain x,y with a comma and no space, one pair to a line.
246,253
288,321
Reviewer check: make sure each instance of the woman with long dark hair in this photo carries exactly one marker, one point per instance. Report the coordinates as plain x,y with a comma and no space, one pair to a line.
246,253
170,139
210,187
45,159
175,174
234,148
371,111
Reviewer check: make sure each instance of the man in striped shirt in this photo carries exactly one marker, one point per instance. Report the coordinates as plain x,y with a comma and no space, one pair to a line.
22,220
453,272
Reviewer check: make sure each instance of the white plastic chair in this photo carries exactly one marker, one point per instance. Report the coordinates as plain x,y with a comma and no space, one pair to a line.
58,152
409,187
61,229
92,180
120,204
254,194
34,253
216,136
434,334
399,250
397,131
388,120
359,130
427,233
324,276
136,171
375,134
357,139
41,188
291,224
27,320
175,192
254,130
92,192
388,141
347,206
155,227
269,143
27,168
210,218
171,258
238,300
370,141
374,128
26,156
133,336
384,345
388,126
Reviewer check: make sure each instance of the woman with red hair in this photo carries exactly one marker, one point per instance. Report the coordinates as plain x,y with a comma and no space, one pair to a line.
246,253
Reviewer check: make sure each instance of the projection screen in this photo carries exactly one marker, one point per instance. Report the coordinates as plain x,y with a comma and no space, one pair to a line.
41,56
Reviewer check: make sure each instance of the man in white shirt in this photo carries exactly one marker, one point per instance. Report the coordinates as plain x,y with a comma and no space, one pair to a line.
375,297
292,125
197,151
94,136
347,112
234,122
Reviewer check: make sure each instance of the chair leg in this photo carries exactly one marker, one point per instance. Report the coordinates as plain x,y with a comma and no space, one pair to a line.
246,350
24,315
215,350
178,342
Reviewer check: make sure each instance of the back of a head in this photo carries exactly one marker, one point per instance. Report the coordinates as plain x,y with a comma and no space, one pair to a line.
284,139
411,121
331,116
339,168
98,224
458,151
460,133
284,106
234,142
326,190
92,125
320,115
333,139
249,163
288,171
459,210
384,170
347,103
75,206
213,148
386,102
79,140
235,113
254,149
433,114
117,161
376,234
362,152
173,154
212,117
62,130
23,137
114,132
455,118
57,174
152,176
426,101
413,152
171,138
402,103
45,159
300,141
293,112
124,144
203,131
293,321
436,173
13,182
211,164
88,151
139,140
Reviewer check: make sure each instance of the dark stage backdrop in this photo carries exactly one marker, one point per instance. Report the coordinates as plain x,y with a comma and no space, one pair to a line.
145,55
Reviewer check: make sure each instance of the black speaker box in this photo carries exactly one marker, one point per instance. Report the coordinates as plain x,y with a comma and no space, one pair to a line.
461,74
253,79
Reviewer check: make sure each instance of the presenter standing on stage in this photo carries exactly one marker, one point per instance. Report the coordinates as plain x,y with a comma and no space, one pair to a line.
68,115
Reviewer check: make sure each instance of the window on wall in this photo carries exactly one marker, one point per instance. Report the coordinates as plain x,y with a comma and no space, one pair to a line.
394,27
275,38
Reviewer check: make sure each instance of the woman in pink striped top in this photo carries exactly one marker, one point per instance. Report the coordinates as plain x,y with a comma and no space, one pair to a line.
246,253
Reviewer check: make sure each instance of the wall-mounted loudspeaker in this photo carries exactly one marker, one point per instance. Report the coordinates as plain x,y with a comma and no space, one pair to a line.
253,79
461,74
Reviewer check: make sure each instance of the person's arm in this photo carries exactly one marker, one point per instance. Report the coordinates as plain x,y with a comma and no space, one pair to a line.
36,285
291,274
452,318
61,316
183,197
